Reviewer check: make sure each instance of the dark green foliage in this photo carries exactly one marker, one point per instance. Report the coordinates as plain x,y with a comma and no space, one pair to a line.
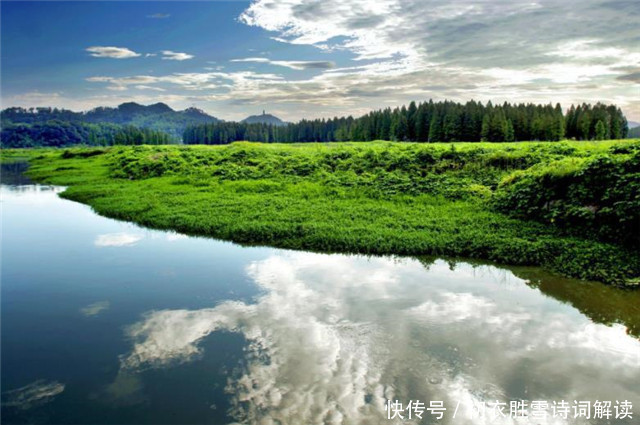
582,121
431,122
63,133
600,130
597,195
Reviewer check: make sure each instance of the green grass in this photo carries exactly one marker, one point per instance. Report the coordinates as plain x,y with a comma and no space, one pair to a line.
370,198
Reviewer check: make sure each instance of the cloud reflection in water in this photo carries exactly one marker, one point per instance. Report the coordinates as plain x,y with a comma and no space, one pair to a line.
332,337
117,239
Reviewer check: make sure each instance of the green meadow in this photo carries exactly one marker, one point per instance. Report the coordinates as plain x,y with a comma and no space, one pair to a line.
572,207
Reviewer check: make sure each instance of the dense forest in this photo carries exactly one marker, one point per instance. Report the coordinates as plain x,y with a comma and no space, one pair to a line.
56,133
433,122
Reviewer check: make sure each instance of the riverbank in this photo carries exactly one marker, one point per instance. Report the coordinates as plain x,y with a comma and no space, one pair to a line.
466,199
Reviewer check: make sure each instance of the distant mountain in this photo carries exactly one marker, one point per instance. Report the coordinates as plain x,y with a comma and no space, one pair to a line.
264,119
633,124
634,133
158,116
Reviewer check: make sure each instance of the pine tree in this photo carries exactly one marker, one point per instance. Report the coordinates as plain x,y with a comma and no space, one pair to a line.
509,135
601,131
422,124
411,121
435,128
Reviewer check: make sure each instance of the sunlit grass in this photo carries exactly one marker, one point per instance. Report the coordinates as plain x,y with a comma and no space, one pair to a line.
372,198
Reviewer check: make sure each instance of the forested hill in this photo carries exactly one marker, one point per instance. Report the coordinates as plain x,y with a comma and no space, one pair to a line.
159,117
263,119
434,122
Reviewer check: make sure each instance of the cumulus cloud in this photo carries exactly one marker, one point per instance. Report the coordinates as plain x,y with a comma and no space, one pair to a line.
538,50
175,56
330,338
111,52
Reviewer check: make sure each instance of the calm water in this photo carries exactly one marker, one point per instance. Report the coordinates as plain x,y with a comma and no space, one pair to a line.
106,322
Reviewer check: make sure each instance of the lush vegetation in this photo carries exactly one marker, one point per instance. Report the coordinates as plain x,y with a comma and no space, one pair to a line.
463,199
158,117
598,195
64,133
433,122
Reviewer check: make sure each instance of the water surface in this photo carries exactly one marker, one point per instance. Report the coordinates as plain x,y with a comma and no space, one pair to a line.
107,322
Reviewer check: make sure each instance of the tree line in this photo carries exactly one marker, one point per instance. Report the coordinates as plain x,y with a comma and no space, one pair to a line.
63,133
433,122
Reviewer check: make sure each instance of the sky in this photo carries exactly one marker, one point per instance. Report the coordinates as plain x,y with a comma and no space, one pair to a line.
318,58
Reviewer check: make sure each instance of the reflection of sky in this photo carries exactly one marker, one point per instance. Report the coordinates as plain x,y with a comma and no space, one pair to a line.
95,308
333,336
329,337
33,394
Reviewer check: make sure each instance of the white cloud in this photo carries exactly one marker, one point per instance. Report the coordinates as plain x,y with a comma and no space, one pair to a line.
394,51
527,45
143,87
159,16
117,239
175,56
297,65
112,52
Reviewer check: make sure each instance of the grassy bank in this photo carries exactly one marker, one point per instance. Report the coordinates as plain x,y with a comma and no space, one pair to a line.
463,199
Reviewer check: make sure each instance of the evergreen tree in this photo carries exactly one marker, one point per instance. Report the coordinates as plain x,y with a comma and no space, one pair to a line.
435,128
601,131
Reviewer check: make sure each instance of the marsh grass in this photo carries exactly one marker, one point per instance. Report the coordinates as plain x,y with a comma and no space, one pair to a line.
370,198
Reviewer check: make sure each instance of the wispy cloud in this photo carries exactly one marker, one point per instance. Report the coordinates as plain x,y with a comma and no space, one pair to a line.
143,87
297,65
112,52
175,56
159,16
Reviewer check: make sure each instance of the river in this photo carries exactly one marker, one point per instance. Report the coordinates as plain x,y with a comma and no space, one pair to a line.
107,322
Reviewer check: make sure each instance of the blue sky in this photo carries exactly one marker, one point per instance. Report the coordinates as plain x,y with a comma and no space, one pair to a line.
314,58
